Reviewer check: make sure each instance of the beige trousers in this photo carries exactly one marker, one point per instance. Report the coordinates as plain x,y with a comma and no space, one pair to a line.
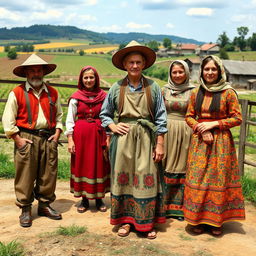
36,171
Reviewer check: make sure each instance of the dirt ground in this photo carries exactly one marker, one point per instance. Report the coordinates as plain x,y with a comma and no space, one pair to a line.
238,239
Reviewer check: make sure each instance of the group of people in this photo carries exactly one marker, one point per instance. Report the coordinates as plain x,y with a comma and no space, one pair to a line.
161,153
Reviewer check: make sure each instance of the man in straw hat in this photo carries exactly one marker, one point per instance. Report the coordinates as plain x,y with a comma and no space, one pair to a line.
137,143
32,118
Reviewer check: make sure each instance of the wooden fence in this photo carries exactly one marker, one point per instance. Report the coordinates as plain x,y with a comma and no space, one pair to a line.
246,106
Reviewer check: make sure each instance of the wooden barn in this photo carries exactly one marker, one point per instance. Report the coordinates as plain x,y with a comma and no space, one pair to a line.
240,73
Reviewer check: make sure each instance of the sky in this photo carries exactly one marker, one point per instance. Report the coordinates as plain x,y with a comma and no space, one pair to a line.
203,20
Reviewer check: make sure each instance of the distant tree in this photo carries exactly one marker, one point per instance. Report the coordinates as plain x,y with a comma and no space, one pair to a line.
252,42
12,54
81,52
121,46
229,47
241,41
223,40
167,43
7,48
153,45
223,54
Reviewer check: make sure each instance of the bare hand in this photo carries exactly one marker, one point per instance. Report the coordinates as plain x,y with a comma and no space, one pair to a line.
119,128
71,145
158,152
108,141
21,142
54,137
207,137
206,126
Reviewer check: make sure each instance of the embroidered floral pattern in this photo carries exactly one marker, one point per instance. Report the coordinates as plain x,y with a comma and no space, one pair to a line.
123,178
149,181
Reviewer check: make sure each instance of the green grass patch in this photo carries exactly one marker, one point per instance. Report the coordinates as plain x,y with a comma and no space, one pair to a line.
71,65
72,230
13,248
63,170
7,169
246,55
185,238
249,188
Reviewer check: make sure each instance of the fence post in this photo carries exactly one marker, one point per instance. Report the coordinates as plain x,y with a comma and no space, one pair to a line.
242,137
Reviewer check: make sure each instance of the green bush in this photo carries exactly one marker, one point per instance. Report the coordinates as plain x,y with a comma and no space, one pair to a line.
12,54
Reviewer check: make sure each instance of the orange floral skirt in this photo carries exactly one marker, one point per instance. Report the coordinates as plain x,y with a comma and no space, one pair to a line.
213,193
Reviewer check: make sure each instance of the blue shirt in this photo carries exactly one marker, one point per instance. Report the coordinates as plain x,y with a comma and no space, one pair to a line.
108,109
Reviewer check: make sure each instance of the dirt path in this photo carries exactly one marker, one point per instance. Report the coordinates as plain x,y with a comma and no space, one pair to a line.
239,238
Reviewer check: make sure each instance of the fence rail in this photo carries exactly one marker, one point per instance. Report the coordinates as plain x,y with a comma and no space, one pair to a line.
246,106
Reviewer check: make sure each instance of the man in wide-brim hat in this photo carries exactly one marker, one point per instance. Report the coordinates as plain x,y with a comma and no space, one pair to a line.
32,118
137,143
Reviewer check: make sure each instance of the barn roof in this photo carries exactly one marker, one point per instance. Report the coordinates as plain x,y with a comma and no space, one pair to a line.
236,67
206,47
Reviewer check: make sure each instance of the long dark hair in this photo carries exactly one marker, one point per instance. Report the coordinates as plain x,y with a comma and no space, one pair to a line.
215,104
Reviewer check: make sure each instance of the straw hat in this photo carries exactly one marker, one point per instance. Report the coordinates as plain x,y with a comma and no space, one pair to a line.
33,60
134,46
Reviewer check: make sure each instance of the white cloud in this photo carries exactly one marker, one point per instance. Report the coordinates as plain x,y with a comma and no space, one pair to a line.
133,25
167,4
5,14
47,15
248,20
201,12
170,25
239,18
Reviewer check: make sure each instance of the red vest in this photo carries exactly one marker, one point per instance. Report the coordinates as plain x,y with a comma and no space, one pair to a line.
22,113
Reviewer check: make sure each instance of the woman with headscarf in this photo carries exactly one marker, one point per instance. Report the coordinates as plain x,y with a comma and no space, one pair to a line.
87,142
213,193
176,95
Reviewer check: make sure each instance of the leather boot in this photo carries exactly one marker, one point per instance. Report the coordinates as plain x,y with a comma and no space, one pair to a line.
25,217
48,211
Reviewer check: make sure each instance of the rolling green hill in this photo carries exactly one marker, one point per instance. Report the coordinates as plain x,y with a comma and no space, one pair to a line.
40,32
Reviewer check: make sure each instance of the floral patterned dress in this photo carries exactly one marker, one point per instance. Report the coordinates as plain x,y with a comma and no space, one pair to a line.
176,143
213,193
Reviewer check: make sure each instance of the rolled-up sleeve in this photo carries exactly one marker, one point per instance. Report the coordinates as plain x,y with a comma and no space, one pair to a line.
107,110
160,114
71,116
59,115
9,116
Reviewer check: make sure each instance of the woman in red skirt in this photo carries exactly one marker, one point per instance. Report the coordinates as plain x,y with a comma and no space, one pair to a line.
87,142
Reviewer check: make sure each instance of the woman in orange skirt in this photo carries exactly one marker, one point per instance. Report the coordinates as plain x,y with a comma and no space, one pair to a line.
213,193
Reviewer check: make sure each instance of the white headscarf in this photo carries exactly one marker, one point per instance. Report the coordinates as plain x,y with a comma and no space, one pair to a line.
179,88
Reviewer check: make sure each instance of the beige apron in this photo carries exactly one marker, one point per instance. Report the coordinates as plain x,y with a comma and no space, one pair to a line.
177,139
135,172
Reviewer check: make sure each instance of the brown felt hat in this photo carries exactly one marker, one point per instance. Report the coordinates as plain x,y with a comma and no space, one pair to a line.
33,60
134,46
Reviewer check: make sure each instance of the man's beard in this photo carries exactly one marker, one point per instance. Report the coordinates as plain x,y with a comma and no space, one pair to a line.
36,82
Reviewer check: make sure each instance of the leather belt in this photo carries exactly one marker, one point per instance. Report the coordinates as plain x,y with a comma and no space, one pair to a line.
38,132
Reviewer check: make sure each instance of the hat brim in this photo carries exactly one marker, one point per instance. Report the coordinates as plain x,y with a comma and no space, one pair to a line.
148,53
20,70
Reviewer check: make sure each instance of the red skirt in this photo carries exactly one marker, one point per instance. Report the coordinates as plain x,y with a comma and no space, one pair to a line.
90,171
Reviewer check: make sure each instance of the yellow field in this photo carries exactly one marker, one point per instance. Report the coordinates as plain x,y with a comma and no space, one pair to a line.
101,49
54,45
1,49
